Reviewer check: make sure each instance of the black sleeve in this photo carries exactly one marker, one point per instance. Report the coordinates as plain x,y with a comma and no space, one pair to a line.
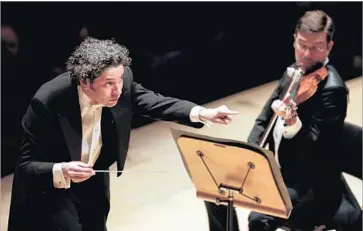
34,124
266,114
158,107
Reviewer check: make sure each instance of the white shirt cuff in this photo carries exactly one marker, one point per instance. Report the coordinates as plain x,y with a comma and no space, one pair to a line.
59,180
194,116
292,130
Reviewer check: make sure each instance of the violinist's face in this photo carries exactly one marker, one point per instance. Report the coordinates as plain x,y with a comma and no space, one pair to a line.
311,48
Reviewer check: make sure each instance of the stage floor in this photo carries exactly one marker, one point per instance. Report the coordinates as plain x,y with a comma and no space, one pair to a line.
144,201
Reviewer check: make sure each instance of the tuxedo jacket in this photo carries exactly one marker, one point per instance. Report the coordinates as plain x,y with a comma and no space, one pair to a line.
52,133
308,162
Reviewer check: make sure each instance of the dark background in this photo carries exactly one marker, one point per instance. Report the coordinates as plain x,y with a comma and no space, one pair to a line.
197,51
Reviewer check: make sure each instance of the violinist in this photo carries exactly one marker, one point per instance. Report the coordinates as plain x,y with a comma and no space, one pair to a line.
304,136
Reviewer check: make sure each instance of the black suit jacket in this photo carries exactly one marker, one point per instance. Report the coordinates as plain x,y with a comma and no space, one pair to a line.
53,133
307,160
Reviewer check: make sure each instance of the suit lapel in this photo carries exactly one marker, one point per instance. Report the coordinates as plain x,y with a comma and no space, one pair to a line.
71,123
119,112
122,115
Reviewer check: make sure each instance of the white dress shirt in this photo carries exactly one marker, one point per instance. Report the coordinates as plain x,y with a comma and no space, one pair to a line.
287,132
92,136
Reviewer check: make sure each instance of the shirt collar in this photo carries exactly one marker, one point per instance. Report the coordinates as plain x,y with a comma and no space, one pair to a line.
326,61
85,101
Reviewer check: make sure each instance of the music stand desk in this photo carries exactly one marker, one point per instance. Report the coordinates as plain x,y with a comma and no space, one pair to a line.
234,173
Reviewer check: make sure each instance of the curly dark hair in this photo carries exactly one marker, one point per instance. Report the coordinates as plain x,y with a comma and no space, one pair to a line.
93,56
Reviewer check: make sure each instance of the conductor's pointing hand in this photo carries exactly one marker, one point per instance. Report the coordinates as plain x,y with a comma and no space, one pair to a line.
219,115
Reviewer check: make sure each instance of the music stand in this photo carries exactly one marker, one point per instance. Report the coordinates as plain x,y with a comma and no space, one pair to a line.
234,173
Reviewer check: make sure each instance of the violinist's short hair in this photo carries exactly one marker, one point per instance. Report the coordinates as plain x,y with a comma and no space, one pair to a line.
316,21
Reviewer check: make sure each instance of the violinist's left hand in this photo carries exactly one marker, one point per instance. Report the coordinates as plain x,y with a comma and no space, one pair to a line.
219,115
291,120
281,108
287,110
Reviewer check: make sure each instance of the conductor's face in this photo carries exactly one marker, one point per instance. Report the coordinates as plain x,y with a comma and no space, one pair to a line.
107,88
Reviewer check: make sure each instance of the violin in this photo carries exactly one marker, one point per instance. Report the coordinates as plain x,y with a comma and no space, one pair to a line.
309,84
303,86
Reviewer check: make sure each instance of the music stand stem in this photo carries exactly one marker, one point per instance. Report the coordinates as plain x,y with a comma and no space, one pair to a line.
230,201
230,211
